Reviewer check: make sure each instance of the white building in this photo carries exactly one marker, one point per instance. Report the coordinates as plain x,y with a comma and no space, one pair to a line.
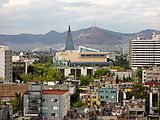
5,63
145,52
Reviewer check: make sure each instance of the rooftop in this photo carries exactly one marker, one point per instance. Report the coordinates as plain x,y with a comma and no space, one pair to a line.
54,92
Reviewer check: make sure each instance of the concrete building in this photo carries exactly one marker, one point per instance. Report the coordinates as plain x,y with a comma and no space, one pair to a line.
109,79
153,100
76,58
76,71
135,109
18,68
151,75
122,74
89,95
5,63
107,95
50,104
144,52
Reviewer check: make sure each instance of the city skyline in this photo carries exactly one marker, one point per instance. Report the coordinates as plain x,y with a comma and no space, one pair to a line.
41,16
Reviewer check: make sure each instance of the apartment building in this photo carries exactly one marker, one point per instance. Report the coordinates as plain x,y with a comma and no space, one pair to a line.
107,95
5,63
89,95
50,104
135,109
144,52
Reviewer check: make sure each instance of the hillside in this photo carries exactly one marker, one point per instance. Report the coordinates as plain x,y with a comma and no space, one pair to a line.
92,36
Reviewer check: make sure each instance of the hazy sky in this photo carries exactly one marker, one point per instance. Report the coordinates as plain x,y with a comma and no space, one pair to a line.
41,16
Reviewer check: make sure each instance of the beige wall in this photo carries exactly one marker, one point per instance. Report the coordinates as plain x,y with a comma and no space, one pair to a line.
76,56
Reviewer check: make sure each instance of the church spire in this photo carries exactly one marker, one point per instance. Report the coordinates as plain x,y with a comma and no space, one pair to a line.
69,42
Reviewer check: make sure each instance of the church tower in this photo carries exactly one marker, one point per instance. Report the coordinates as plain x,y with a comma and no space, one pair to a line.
69,42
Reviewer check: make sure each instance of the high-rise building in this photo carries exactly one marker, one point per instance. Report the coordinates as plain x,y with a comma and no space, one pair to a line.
69,42
5,63
145,52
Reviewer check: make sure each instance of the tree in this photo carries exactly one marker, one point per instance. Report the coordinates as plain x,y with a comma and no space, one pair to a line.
139,75
74,97
42,72
122,62
78,104
27,77
140,91
101,72
18,104
158,104
85,80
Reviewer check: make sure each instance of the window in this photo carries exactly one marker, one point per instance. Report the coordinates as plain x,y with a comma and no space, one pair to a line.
101,91
53,114
54,100
55,108
43,100
102,97
113,91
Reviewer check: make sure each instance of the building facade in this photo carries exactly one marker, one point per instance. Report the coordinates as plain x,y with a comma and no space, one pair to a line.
76,71
122,74
107,95
76,58
5,63
18,68
135,109
8,91
144,52
150,76
50,104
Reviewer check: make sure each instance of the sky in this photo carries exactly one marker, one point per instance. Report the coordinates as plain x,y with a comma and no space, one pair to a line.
42,16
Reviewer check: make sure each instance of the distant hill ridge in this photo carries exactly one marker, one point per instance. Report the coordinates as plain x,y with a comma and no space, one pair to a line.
89,36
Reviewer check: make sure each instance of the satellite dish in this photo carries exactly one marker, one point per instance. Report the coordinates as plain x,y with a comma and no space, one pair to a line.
21,54
86,110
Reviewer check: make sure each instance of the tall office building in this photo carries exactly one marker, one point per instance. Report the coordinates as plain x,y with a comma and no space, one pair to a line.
5,63
144,52
69,42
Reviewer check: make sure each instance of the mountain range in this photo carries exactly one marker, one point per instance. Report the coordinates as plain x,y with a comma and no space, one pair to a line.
92,37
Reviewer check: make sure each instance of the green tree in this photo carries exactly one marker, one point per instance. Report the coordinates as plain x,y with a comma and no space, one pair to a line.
158,104
18,104
85,80
140,91
139,75
74,97
42,72
27,77
122,62
79,103
101,72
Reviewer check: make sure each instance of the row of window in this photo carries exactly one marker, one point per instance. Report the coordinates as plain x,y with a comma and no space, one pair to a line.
153,73
93,55
107,91
112,97
53,100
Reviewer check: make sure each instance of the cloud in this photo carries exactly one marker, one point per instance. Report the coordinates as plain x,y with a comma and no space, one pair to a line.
2,2
39,16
